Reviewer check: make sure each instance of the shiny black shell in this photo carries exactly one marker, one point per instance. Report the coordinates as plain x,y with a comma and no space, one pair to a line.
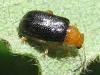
44,26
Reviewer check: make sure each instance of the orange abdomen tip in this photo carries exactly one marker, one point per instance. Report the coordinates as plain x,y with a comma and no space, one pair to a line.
74,37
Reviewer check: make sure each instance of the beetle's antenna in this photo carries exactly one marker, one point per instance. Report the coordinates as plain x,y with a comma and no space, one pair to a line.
82,63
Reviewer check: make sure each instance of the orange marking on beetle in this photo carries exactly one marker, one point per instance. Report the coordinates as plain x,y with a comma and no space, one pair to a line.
74,37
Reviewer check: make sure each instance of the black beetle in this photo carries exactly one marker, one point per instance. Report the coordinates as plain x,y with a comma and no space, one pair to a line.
46,26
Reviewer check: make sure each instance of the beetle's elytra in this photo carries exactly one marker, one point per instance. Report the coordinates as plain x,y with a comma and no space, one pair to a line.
49,27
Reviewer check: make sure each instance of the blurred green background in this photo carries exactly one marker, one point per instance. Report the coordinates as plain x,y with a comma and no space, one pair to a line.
84,13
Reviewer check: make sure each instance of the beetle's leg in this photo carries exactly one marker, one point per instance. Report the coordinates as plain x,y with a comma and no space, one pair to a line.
45,53
23,39
49,12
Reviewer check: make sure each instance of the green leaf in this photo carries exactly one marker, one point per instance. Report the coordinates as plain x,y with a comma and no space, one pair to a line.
85,13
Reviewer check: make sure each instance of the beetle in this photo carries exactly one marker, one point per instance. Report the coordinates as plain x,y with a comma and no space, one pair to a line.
46,27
